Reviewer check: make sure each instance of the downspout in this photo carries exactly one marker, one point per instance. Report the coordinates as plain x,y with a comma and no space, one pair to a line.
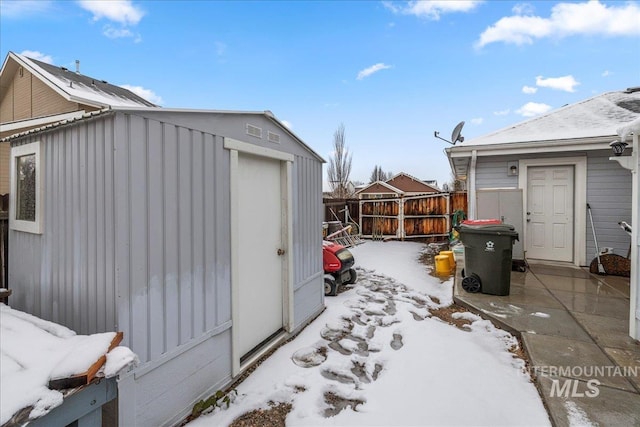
471,194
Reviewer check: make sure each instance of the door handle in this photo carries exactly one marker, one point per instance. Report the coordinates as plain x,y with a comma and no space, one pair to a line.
280,252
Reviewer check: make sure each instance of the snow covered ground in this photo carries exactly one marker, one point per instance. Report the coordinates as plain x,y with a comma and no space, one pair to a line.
376,357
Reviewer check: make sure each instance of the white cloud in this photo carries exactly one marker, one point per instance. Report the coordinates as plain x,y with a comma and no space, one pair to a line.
147,94
432,9
606,73
373,69
531,109
529,90
502,113
122,11
477,121
117,33
523,9
287,124
565,83
566,19
34,54
21,8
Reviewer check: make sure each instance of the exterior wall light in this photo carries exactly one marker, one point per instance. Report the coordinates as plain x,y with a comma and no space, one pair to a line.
618,147
512,168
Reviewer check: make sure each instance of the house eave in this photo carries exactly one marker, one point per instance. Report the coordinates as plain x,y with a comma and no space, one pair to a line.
458,155
591,143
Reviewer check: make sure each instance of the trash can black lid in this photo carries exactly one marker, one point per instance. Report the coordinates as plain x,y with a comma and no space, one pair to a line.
497,229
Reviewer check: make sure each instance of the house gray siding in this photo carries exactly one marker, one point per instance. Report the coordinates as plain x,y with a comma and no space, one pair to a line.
608,193
491,172
137,239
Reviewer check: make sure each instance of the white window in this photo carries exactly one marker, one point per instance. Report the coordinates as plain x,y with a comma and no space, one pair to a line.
25,205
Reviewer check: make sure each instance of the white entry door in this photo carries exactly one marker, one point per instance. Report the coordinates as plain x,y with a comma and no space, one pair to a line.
550,213
260,240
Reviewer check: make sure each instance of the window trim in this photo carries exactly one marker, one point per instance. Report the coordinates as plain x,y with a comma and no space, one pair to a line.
34,227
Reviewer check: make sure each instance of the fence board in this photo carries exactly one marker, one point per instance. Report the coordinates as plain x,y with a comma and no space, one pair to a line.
423,216
338,205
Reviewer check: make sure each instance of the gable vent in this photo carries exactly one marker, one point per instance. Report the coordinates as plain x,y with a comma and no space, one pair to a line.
273,137
254,131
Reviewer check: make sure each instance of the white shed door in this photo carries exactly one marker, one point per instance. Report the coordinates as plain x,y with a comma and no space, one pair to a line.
260,237
550,218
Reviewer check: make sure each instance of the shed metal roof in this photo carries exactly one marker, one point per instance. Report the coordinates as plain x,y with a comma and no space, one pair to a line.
268,114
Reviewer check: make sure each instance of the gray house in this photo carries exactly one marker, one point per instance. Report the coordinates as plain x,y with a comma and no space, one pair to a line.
541,173
196,233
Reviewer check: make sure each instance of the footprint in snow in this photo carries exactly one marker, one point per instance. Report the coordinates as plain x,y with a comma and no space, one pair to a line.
310,356
397,344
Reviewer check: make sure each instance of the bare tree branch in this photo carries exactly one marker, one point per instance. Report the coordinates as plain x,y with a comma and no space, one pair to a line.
339,167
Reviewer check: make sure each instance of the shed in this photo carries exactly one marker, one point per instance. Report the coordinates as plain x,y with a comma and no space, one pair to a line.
196,233
560,162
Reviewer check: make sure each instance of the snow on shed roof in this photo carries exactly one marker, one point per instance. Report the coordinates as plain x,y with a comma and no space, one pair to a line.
598,116
79,88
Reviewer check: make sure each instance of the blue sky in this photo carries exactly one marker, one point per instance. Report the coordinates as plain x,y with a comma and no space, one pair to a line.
391,72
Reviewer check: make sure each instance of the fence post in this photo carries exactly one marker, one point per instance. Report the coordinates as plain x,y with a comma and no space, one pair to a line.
400,233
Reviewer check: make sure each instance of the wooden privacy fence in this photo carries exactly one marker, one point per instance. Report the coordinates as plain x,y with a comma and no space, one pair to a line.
336,207
423,216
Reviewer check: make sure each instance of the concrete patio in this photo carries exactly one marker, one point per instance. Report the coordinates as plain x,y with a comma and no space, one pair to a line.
574,328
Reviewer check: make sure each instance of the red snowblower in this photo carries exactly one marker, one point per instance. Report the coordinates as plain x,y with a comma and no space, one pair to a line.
338,267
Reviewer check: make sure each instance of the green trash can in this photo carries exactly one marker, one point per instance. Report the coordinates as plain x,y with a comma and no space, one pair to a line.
488,246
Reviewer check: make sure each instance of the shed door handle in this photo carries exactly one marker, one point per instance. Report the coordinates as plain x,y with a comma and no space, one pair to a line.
280,252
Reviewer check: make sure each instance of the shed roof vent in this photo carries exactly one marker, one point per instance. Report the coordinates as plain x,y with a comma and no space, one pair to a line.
273,137
254,131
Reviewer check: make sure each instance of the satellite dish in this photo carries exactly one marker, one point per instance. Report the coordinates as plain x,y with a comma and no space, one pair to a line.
455,135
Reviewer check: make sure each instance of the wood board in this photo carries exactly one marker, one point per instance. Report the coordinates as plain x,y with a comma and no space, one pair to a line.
87,376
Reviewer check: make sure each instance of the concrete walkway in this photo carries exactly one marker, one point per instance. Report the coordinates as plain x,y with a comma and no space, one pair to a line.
574,328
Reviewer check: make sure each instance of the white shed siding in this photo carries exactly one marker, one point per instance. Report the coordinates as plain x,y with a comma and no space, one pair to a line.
307,239
173,283
67,274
